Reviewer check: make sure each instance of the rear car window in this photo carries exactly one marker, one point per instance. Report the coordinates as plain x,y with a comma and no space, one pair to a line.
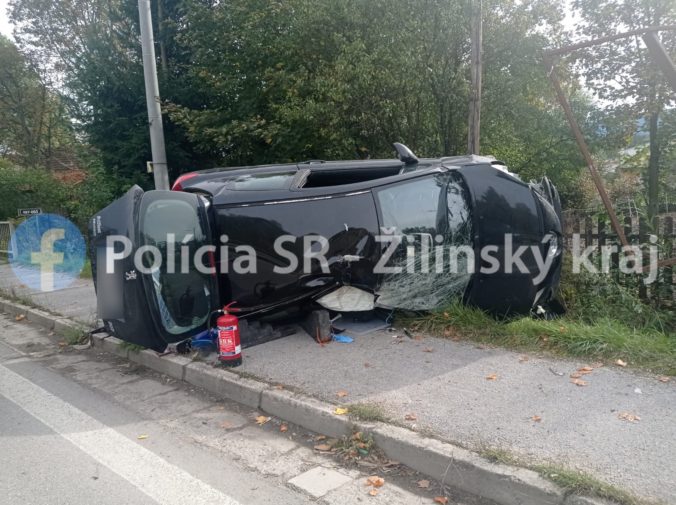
183,294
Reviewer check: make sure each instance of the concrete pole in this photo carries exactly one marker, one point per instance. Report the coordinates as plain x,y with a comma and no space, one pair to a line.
160,172
474,133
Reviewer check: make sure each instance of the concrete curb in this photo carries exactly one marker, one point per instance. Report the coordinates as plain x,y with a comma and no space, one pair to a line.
457,467
466,470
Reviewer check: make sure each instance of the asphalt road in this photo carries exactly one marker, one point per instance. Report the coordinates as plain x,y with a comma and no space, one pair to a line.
86,427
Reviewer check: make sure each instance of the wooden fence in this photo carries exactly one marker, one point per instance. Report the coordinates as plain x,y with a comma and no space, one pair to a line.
597,232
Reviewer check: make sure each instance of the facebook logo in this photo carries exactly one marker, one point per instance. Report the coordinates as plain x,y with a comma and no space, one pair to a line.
50,252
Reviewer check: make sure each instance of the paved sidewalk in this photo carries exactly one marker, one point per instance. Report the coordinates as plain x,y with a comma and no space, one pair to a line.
444,385
78,301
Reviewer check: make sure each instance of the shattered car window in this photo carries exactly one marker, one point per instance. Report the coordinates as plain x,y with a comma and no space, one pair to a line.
432,216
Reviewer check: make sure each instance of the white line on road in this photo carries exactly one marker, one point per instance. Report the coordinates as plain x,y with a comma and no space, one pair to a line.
160,480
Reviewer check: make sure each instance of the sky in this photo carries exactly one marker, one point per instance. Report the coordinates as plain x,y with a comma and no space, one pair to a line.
5,26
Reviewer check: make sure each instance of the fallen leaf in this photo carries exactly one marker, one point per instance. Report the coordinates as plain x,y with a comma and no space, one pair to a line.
575,375
491,377
523,358
279,386
340,411
585,369
320,437
424,484
20,317
284,428
375,481
621,363
428,349
261,420
62,343
627,416
373,492
536,419
226,425
411,417
142,437
664,379
322,447
442,500
341,394
579,382
447,315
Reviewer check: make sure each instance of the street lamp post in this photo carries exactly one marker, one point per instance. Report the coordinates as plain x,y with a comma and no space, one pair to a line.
159,163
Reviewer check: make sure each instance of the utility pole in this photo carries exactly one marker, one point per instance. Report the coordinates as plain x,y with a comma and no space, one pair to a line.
153,97
476,30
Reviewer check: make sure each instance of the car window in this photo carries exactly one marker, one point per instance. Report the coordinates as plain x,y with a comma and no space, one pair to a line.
412,206
261,182
431,215
183,295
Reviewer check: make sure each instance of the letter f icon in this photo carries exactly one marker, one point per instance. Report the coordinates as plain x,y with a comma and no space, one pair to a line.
47,258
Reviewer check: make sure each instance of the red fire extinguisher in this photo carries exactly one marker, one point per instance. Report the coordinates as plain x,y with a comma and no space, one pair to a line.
229,344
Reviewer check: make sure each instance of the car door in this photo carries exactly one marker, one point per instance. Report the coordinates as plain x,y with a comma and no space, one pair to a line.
152,260
427,241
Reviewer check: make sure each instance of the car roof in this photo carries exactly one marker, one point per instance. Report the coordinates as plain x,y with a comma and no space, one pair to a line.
224,185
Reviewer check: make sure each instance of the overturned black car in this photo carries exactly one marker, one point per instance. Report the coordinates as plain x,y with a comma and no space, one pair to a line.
343,235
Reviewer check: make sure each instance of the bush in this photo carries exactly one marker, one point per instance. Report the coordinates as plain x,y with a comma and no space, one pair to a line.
22,188
590,297
34,187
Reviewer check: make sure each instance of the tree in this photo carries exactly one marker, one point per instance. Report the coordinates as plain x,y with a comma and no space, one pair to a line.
92,49
33,122
253,81
622,75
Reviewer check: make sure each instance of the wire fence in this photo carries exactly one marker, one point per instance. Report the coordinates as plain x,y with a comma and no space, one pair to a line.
6,246
595,231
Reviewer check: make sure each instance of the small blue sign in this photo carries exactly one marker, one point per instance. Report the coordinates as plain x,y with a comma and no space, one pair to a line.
50,252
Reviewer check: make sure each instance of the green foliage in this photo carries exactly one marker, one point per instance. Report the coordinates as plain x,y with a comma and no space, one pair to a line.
33,122
367,412
602,338
23,187
575,481
248,82
35,187
623,75
95,192
588,295
93,47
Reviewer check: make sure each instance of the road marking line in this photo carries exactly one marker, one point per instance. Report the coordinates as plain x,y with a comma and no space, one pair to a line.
160,480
